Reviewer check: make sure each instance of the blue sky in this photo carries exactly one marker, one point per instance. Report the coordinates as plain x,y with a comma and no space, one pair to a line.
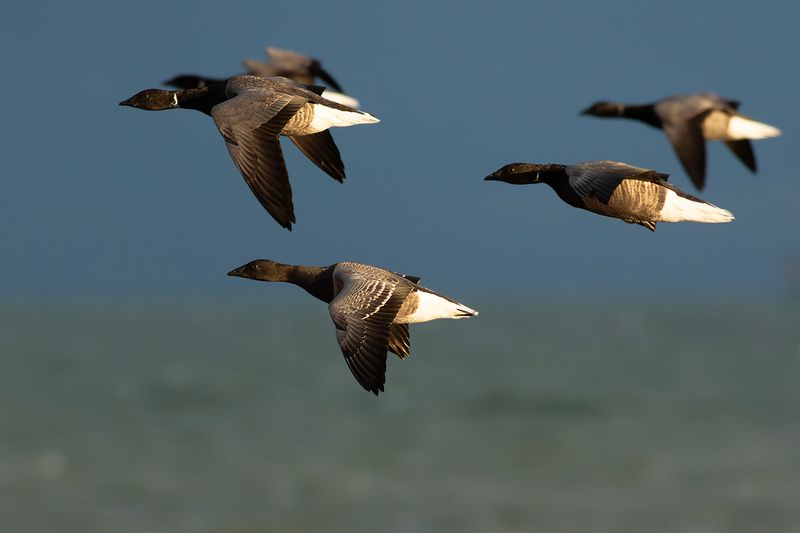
104,201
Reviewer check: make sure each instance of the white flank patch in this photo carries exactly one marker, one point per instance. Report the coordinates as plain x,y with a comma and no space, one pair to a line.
745,128
431,307
327,117
677,209
340,98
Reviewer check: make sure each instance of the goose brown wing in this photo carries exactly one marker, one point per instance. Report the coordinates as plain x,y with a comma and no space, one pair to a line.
399,342
322,151
743,150
599,179
399,338
258,68
325,76
251,124
682,120
363,312
689,144
299,67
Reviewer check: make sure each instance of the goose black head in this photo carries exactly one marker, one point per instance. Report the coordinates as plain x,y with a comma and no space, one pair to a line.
518,173
261,270
604,109
153,100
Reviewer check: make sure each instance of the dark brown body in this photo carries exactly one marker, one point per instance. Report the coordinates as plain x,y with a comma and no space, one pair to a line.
610,188
633,201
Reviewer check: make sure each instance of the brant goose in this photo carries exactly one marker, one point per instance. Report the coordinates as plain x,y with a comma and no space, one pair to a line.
292,65
371,309
285,63
635,195
251,113
691,119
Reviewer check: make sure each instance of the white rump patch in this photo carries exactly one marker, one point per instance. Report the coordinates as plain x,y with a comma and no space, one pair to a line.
430,307
746,128
340,98
677,209
327,117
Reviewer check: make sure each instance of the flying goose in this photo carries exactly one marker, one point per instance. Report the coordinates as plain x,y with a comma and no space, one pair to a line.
251,113
285,63
292,65
691,119
371,309
633,194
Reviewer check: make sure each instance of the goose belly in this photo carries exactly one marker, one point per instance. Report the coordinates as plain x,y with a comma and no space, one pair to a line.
421,306
632,200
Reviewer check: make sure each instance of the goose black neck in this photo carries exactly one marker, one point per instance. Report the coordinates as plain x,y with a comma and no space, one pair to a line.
552,173
644,113
557,178
202,98
316,281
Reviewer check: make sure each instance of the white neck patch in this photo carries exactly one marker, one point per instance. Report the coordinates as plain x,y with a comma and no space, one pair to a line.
174,99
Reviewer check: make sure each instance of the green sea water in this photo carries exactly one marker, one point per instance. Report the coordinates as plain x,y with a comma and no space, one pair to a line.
242,417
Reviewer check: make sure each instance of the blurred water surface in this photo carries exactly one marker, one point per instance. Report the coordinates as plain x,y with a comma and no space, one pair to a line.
241,417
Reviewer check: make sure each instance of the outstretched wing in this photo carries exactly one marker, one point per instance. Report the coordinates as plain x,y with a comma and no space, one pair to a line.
682,119
399,342
363,312
251,123
689,144
325,76
743,150
322,151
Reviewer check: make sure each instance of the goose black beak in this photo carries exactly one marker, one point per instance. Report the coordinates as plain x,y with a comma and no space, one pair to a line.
236,272
126,102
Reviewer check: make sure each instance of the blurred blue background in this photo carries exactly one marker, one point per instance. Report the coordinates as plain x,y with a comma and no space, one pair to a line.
616,380
100,199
